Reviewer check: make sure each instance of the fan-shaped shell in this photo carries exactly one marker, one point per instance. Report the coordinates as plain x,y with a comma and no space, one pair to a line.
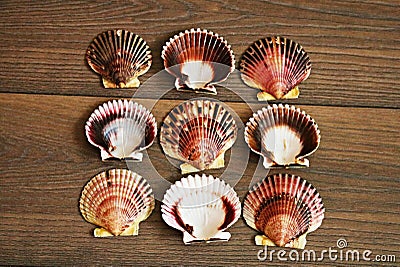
202,207
285,208
198,59
198,133
283,135
276,66
120,57
116,200
121,128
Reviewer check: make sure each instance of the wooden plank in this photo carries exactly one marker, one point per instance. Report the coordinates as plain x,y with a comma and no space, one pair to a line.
45,160
352,44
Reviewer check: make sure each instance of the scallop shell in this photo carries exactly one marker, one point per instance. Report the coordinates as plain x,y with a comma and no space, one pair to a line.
202,207
283,135
198,133
198,59
116,200
120,57
276,66
121,128
285,208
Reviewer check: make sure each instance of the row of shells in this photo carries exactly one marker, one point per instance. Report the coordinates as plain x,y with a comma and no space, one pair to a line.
199,132
283,208
199,59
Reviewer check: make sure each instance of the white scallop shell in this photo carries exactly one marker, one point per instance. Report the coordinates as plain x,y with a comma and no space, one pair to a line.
202,207
121,129
198,133
283,135
198,59
120,57
116,200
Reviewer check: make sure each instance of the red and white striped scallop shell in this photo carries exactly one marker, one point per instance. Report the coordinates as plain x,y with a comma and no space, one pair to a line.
120,57
198,133
202,207
117,201
276,66
285,208
284,135
198,59
121,129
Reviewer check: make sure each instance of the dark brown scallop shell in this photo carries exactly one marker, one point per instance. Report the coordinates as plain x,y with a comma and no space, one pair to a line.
120,57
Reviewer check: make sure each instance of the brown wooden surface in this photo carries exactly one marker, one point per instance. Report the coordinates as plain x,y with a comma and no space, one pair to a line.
47,92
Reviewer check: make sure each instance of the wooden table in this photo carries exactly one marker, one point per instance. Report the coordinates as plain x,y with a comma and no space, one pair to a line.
48,92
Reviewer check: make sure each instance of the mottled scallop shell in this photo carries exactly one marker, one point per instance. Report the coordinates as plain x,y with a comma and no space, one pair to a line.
283,135
198,59
198,133
202,207
276,66
285,208
120,57
117,201
121,129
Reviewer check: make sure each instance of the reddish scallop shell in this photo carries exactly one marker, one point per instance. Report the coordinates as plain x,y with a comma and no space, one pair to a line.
202,207
285,208
198,133
283,135
121,129
120,57
116,200
276,66
198,59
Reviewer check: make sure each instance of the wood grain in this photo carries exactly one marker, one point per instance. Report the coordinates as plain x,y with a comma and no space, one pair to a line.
47,92
45,160
352,44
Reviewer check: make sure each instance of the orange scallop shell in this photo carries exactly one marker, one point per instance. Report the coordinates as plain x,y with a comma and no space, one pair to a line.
116,200
285,208
276,66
